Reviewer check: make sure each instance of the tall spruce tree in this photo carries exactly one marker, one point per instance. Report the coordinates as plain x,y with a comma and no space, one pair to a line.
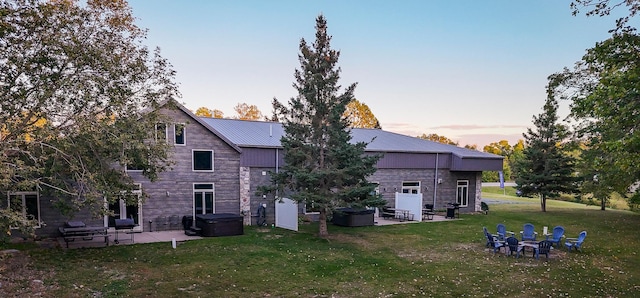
546,169
322,167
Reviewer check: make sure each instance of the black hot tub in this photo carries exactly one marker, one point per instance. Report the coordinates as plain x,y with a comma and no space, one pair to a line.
219,224
350,217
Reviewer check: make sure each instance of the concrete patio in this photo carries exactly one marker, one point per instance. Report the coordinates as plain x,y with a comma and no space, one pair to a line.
127,239
179,236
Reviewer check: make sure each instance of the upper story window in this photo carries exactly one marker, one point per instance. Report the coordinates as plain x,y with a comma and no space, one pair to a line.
411,187
203,160
179,133
161,132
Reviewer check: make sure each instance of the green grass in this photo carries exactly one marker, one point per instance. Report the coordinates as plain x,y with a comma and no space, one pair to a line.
437,259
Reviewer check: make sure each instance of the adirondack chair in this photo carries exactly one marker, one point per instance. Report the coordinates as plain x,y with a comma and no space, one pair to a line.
556,236
484,229
501,232
576,242
544,247
528,232
495,243
512,244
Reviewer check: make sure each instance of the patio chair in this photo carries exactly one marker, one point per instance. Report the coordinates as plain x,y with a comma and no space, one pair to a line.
556,235
544,247
484,229
528,233
427,212
502,232
576,242
512,245
495,243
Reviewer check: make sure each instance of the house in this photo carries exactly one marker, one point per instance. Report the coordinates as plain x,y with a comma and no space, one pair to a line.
441,173
219,164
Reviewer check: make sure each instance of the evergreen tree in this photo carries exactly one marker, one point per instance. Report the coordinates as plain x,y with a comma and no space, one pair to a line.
322,168
545,168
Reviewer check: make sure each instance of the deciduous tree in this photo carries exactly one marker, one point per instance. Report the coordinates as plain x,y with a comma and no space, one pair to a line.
605,7
322,168
604,90
360,116
75,79
247,112
546,168
437,138
204,112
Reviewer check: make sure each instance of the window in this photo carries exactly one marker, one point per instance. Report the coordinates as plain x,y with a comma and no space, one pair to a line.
203,198
136,161
411,187
126,208
180,137
462,193
203,160
26,203
161,132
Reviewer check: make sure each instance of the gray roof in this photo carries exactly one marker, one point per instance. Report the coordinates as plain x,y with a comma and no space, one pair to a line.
260,134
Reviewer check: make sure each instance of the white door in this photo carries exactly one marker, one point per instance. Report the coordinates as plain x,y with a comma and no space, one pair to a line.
287,214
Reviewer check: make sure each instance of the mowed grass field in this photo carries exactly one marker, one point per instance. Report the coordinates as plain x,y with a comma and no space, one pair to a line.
437,259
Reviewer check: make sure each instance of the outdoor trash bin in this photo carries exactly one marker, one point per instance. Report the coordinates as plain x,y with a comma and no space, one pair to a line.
350,217
220,224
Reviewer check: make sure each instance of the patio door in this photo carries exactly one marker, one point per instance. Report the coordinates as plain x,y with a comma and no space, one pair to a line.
203,198
126,208
462,193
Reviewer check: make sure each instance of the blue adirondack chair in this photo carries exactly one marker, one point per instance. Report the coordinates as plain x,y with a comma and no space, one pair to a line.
544,247
556,236
528,232
486,237
512,245
501,232
495,243
576,242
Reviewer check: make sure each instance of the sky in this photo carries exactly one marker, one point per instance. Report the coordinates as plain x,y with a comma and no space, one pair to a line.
473,71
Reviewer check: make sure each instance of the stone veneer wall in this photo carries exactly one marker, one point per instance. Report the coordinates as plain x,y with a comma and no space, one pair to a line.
245,195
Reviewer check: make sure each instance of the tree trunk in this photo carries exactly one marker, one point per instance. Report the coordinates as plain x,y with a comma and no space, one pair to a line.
322,224
543,203
602,204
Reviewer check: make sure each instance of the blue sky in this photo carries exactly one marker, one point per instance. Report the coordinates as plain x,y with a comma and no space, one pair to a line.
474,71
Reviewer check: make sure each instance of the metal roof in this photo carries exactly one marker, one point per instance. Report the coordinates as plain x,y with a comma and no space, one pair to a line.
263,134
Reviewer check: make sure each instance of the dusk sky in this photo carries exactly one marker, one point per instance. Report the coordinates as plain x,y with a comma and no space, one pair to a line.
473,71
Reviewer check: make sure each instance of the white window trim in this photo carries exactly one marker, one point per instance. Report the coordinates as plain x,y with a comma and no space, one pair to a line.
126,169
137,191
193,194
411,187
24,207
193,164
458,189
184,134
166,131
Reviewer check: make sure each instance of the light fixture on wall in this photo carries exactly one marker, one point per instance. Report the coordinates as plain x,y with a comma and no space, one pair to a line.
395,189
167,193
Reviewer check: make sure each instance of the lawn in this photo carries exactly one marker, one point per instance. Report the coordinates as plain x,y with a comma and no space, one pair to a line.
422,259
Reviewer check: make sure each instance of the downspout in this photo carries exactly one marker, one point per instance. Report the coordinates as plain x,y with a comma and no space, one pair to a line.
435,183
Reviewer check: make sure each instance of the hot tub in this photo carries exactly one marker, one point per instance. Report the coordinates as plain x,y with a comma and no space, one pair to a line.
350,217
219,224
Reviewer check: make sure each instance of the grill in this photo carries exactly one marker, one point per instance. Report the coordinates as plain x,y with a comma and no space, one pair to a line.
453,210
126,225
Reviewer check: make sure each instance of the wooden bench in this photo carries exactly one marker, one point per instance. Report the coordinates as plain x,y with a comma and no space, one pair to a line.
83,233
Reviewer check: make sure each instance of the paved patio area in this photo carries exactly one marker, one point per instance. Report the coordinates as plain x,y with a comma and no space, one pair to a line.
179,236
379,221
127,239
